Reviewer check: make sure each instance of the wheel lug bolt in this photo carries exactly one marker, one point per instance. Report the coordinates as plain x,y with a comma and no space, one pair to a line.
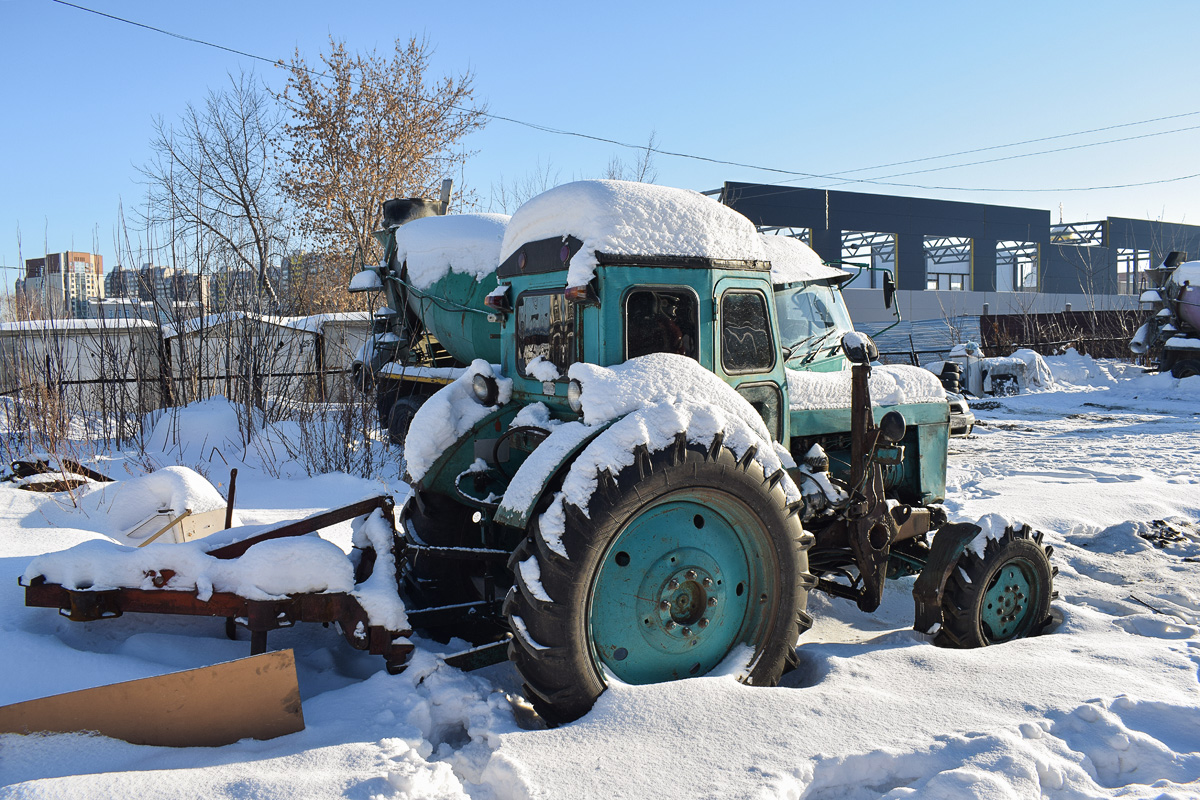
703,623
712,601
664,605
672,584
670,624
707,583
690,574
687,631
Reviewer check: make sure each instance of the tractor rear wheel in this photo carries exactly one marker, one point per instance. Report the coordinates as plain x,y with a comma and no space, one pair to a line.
1187,368
1002,596
400,417
681,560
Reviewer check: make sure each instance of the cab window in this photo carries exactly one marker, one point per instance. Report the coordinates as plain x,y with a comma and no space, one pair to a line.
746,344
661,321
546,327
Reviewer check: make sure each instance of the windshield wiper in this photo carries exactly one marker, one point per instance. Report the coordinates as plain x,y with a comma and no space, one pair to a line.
817,346
788,352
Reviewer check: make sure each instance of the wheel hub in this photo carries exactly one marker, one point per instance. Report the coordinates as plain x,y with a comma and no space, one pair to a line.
687,601
673,595
1006,603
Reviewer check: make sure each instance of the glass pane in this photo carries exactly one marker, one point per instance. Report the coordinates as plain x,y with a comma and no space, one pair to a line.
745,333
661,321
545,327
766,401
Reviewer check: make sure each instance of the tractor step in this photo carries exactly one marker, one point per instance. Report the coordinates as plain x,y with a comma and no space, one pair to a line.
416,550
482,656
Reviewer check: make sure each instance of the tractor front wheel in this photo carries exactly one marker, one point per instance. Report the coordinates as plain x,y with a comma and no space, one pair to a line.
1002,596
684,559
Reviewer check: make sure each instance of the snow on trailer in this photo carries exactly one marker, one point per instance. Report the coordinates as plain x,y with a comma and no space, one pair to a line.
263,577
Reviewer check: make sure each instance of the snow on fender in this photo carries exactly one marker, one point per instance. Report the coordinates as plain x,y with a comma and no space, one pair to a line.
451,412
654,398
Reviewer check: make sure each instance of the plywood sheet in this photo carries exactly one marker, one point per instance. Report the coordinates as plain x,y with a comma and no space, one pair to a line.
256,697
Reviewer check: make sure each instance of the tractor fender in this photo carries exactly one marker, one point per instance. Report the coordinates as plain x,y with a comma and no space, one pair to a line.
948,546
535,475
457,457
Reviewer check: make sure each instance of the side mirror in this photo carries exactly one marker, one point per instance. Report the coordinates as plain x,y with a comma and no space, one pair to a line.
889,289
859,348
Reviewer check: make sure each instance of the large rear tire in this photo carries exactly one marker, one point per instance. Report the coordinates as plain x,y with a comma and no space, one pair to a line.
682,559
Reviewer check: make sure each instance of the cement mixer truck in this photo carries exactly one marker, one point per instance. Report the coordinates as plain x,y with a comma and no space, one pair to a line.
638,433
1171,334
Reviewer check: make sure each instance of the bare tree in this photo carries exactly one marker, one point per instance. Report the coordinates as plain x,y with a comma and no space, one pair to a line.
213,186
642,168
365,128
509,195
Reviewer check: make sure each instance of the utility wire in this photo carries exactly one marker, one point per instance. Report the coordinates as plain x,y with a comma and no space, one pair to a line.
1037,153
723,162
1018,144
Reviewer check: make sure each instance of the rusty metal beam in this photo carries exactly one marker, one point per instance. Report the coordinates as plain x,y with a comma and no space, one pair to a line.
309,525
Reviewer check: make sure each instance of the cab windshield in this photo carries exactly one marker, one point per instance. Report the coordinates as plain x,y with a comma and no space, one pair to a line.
811,316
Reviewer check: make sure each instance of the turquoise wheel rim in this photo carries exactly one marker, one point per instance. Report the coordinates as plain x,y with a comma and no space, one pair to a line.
1007,608
688,579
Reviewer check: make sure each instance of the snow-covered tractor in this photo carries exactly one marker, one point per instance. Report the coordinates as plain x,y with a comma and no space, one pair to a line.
1171,334
639,433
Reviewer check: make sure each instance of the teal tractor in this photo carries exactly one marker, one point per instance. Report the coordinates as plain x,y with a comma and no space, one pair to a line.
641,437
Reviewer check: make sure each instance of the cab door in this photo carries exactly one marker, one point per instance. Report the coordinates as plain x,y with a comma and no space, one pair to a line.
747,353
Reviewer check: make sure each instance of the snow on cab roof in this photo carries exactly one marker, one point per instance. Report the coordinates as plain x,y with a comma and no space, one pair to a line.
793,261
624,218
435,246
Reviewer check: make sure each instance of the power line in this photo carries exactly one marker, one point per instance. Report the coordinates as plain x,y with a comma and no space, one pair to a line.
1018,144
1037,153
796,175
165,32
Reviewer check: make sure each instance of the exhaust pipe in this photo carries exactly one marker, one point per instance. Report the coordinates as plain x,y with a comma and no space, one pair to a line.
398,211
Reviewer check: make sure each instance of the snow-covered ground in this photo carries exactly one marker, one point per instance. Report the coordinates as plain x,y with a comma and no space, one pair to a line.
1106,705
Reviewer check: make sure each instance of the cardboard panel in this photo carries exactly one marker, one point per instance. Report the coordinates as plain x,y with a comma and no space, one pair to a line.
256,697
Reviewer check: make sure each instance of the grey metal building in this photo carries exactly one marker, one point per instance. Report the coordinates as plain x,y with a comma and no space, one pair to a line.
946,245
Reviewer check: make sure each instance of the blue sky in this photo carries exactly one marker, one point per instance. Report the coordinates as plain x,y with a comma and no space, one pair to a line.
810,87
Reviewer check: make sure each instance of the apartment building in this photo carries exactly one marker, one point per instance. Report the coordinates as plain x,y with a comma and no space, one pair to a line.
62,284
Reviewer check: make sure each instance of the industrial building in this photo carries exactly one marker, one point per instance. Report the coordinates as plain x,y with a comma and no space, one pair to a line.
945,246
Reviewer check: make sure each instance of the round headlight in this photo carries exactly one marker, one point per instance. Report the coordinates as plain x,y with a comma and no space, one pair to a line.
486,389
575,396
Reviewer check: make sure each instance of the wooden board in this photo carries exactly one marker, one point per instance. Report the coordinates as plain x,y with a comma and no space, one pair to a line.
256,697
